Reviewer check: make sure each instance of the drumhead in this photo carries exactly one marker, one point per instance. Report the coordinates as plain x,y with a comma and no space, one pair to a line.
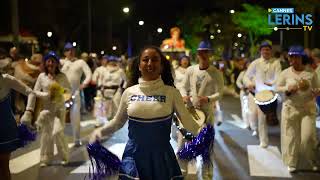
265,97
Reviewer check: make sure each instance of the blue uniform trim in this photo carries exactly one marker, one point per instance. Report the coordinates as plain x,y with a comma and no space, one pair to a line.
151,120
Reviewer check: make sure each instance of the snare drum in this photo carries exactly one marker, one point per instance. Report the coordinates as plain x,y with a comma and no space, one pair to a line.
267,102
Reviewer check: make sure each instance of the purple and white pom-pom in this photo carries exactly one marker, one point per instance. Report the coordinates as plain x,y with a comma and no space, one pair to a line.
200,145
103,162
25,135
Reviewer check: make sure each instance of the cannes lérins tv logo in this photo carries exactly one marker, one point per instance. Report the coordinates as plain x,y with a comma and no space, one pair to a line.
286,18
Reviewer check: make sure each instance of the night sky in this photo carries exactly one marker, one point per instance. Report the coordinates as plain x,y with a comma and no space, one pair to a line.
68,20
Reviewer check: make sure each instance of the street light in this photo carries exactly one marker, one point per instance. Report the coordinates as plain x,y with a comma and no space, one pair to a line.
159,30
49,34
218,31
74,44
231,11
141,23
126,10
239,35
211,36
114,48
102,52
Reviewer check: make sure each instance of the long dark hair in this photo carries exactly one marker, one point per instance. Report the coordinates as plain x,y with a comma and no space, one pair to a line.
57,71
166,74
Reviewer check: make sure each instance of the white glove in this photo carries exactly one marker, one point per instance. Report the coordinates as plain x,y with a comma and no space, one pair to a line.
27,118
95,136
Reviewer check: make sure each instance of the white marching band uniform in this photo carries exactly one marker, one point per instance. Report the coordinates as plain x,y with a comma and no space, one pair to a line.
259,72
208,83
111,81
180,74
298,120
97,75
51,119
248,106
74,69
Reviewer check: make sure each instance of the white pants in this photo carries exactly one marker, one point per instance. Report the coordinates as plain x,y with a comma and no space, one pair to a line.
75,116
52,126
298,137
249,110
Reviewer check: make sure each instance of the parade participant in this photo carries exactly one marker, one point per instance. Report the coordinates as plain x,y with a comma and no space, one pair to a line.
112,82
74,68
27,72
298,129
51,119
203,86
148,104
261,75
180,72
9,140
315,54
248,107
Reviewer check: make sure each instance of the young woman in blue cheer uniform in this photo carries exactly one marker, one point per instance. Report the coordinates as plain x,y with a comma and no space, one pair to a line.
149,104
9,137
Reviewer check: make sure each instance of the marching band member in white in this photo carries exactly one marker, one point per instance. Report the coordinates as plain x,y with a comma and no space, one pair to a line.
112,81
180,72
203,86
248,107
98,72
261,75
298,130
74,68
51,119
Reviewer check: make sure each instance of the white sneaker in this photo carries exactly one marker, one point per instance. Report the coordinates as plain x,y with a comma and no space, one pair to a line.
77,143
63,163
291,169
254,133
263,145
43,164
315,168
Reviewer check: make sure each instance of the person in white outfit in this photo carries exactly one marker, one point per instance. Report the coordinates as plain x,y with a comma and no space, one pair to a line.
261,75
298,130
203,86
112,81
180,72
248,107
51,119
98,72
74,69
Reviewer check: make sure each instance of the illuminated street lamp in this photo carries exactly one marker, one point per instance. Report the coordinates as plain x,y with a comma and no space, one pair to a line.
239,35
74,44
114,48
218,31
231,11
126,10
159,30
141,23
49,34
211,36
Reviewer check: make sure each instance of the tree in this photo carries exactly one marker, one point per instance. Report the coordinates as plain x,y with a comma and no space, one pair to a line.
253,20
